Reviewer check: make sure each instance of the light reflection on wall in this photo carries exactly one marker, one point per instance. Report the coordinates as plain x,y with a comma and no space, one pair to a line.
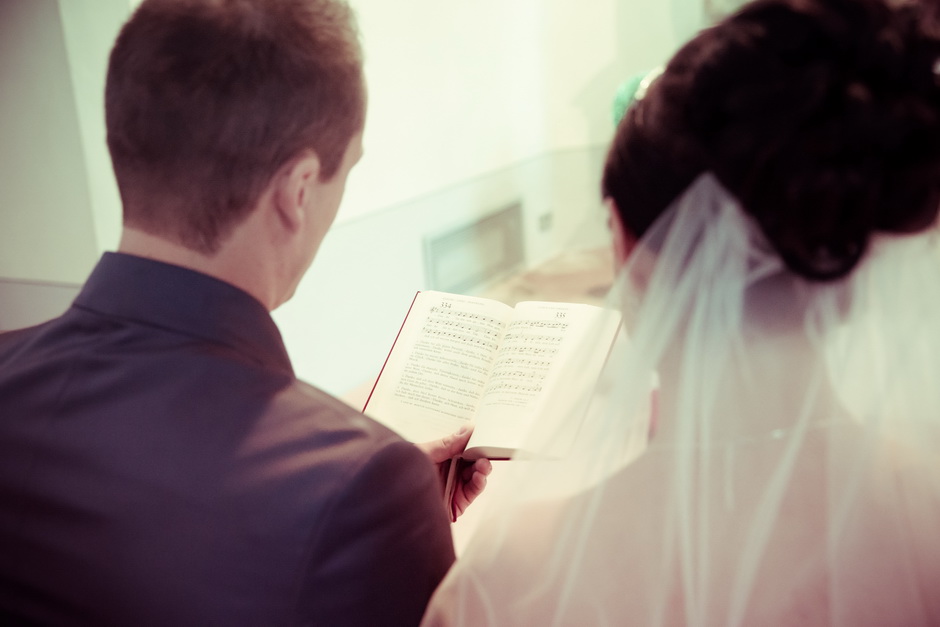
473,105
458,90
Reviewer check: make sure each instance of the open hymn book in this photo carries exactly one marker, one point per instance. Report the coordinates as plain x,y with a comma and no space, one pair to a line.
462,359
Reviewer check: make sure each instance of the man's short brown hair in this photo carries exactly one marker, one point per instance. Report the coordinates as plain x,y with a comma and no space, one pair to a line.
207,99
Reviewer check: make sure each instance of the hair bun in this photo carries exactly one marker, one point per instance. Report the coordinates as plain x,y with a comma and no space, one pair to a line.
823,117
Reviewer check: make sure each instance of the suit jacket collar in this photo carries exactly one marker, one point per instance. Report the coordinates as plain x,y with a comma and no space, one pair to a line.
185,301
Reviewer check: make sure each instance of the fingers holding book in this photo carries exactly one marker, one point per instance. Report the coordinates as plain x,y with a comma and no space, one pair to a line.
463,481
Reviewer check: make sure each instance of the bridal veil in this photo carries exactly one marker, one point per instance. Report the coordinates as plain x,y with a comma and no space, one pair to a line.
760,449
763,445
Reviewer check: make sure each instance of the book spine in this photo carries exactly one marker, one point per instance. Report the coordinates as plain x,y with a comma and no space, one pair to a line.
387,357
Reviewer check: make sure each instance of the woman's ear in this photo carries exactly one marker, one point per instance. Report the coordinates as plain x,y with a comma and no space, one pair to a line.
623,240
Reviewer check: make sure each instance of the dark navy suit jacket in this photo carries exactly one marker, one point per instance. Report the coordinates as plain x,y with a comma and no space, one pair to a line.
161,465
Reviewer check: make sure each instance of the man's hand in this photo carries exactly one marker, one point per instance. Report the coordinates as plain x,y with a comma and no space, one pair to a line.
470,479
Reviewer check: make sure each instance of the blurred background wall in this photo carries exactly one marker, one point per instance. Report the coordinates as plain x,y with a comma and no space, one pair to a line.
473,107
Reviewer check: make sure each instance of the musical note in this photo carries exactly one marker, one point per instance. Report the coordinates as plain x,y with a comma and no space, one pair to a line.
534,350
523,361
539,324
532,338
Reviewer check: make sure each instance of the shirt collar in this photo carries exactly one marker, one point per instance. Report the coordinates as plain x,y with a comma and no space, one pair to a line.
188,302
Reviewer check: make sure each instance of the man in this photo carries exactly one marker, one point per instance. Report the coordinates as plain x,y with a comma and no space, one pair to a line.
159,462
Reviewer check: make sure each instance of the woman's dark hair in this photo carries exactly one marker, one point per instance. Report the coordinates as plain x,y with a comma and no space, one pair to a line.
821,116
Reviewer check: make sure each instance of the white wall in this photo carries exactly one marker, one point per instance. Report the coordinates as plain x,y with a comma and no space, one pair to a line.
46,225
472,105
458,90
90,28
59,206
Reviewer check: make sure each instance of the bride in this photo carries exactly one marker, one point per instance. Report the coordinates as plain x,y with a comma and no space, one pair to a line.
774,200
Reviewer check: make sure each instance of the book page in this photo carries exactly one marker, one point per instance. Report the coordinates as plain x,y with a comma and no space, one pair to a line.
531,365
437,369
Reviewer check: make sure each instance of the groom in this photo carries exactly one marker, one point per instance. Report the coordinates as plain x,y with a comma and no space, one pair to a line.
159,462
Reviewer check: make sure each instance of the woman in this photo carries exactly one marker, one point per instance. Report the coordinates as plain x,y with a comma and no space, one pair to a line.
774,201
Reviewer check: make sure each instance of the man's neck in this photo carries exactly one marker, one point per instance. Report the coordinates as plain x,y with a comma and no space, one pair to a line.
224,265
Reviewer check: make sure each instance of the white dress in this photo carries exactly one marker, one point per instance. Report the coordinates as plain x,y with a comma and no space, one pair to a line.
793,474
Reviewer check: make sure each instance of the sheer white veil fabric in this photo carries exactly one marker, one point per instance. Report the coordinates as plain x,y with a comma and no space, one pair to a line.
793,473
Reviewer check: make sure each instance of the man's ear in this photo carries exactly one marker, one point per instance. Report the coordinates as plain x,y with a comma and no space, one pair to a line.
623,240
294,188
